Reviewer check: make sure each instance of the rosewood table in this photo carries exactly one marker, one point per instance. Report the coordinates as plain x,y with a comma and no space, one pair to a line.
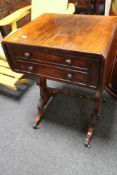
77,49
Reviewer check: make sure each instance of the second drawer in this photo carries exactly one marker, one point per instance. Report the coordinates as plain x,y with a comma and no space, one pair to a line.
57,73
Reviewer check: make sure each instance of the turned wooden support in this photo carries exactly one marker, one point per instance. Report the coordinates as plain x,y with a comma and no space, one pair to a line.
44,97
94,116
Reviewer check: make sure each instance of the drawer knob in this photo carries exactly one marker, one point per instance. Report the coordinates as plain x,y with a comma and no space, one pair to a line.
27,54
30,68
69,76
68,61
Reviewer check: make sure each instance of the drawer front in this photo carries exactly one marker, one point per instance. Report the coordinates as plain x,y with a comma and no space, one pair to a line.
88,79
52,72
50,56
88,74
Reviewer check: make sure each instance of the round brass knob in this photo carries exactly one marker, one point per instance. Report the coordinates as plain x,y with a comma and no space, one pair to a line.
30,68
69,76
27,54
68,61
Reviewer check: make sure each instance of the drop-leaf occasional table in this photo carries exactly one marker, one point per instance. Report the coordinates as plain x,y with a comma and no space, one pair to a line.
77,49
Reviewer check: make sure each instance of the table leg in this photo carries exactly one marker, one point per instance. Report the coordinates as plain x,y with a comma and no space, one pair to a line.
45,95
94,117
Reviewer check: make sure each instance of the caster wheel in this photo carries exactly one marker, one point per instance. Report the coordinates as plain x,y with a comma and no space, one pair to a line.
86,144
35,126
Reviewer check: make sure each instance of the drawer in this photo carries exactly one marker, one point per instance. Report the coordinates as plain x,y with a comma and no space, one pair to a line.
59,73
53,72
50,56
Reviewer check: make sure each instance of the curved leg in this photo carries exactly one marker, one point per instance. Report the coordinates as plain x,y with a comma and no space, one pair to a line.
92,124
38,117
44,93
94,118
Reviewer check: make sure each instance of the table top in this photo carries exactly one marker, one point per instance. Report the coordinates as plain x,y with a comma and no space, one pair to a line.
83,33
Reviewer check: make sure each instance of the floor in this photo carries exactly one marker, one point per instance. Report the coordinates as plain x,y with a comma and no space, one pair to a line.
57,147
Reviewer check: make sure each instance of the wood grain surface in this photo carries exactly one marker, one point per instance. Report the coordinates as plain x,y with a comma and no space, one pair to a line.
91,34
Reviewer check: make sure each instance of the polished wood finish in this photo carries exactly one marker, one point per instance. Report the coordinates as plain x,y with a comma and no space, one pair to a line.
69,48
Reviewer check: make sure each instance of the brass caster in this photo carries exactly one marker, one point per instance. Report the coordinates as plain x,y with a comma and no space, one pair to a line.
37,121
35,126
87,144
